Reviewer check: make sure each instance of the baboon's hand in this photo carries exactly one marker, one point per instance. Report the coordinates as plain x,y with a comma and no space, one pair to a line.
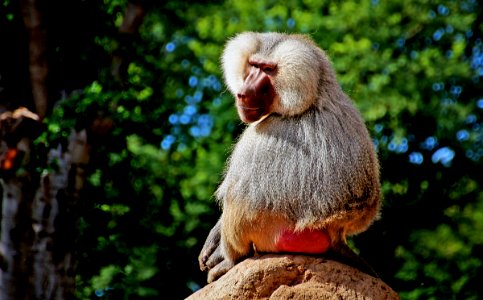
210,254
220,269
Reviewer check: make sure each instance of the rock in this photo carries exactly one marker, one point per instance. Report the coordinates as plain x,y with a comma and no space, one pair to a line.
294,277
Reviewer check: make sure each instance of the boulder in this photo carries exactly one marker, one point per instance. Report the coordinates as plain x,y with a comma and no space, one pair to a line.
273,276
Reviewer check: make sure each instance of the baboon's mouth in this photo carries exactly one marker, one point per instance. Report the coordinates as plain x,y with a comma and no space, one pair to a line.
250,108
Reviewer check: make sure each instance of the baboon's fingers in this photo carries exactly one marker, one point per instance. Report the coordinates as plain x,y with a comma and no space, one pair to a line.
215,258
219,270
212,245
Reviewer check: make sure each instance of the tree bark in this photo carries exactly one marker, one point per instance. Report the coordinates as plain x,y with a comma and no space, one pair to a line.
54,217
16,234
39,212
38,65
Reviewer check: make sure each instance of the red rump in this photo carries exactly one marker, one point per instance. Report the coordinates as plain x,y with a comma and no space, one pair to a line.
306,241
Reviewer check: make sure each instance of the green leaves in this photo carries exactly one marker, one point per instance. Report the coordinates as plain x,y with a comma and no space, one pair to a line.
413,68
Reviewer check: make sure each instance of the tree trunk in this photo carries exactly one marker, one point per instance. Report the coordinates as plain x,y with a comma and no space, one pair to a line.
54,217
40,207
38,65
39,212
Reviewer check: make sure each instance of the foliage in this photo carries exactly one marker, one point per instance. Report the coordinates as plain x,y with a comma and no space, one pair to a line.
414,69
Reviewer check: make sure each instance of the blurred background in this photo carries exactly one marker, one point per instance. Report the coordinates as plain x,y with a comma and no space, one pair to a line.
149,72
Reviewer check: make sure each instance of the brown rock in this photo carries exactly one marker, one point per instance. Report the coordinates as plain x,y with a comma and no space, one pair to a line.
294,277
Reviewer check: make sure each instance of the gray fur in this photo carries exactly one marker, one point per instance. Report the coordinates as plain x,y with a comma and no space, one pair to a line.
307,166
308,163
323,165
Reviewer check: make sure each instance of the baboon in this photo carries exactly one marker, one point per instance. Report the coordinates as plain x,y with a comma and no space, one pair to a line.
304,173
